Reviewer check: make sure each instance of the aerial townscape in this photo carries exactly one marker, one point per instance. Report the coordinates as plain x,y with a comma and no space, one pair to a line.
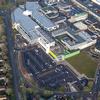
49,49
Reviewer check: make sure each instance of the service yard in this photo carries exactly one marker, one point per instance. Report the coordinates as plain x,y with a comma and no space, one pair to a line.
84,64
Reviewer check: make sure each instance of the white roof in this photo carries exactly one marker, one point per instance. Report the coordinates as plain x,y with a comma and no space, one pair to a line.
80,25
96,1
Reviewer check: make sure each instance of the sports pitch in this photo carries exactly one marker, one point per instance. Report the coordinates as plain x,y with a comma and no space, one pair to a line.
84,64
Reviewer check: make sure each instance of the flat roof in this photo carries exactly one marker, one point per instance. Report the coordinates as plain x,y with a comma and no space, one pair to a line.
85,35
96,1
75,10
59,18
46,35
90,33
38,15
64,5
74,38
98,44
26,23
59,31
48,9
80,25
75,35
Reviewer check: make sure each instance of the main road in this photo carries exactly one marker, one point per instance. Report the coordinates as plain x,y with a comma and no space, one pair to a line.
10,43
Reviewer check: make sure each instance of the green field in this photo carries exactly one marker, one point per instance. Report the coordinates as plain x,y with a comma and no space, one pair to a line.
89,86
84,64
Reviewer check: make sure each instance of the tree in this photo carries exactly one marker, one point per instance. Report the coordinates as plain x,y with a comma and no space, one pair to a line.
1,20
9,91
7,67
4,49
29,90
3,38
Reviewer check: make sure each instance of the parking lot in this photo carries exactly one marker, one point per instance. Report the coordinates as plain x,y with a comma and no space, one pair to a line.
57,77
39,60
45,71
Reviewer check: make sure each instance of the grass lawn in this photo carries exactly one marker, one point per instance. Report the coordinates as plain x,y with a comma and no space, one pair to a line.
1,19
89,87
6,5
84,64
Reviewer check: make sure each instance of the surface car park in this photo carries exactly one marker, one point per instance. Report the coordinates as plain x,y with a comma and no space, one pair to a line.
45,71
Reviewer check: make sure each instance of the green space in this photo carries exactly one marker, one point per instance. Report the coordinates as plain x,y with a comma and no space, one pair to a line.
2,37
68,54
6,5
89,86
65,54
84,64
1,20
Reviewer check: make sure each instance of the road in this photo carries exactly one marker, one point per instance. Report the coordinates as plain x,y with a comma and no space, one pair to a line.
96,86
10,44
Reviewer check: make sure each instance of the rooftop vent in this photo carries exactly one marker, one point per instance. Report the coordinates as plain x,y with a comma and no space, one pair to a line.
27,13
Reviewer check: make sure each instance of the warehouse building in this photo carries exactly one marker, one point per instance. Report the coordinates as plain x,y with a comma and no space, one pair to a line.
35,27
29,29
39,17
24,25
76,39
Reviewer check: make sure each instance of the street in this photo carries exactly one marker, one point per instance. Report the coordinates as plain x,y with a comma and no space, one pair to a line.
10,44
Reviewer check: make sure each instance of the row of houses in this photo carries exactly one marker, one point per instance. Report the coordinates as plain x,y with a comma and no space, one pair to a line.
2,80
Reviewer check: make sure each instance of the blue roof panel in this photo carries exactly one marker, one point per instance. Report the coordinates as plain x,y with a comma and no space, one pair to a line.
38,15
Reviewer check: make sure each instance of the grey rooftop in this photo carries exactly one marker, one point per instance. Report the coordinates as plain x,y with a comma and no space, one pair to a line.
25,22
39,16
